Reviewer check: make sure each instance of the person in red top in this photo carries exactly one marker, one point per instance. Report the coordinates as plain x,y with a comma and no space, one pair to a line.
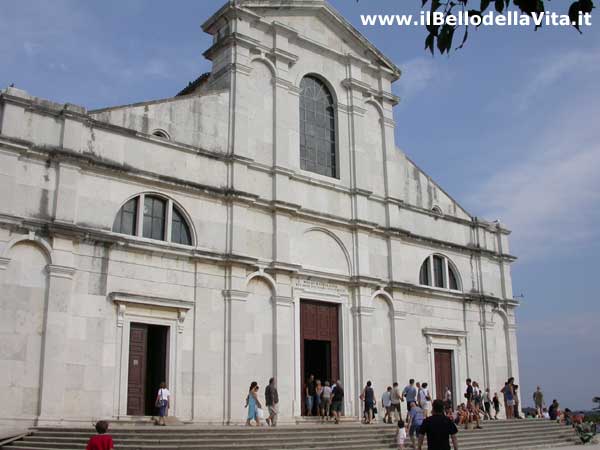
101,441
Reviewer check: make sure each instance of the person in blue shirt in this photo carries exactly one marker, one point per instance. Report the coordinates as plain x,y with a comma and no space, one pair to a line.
410,393
415,419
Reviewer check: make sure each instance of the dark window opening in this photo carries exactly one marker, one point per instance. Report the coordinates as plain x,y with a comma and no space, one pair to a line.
180,233
154,218
453,280
438,271
317,128
126,219
424,275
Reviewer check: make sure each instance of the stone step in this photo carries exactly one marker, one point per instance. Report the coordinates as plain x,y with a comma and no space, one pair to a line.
507,442
501,435
315,429
268,435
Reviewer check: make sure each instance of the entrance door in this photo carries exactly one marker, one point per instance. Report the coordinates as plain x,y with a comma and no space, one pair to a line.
147,367
443,373
319,347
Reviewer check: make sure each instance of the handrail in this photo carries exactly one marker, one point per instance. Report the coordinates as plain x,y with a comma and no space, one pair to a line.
14,438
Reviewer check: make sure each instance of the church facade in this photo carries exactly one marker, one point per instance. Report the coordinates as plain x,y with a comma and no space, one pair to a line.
260,223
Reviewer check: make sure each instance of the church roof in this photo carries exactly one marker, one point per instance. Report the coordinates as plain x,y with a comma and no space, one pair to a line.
313,7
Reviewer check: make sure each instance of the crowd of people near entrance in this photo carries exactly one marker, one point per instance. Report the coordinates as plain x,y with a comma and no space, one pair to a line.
437,419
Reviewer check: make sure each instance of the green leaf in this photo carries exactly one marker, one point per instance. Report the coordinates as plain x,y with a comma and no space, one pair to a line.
444,42
574,14
433,29
429,43
484,5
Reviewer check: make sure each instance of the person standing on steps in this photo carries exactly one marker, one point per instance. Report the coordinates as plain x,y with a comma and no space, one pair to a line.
410,393
369,399
337,401
253,405
386,404
425,400
516,413
415,419
496,402
487,404
396,401
272,402
439,430
326,402
509,398
538,400
317,398
448,397
162,402
310,394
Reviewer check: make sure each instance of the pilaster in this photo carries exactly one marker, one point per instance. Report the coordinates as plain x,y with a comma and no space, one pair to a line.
52,380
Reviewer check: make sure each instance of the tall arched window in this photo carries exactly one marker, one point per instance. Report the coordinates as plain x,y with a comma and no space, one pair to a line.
159,219
317,128
437,271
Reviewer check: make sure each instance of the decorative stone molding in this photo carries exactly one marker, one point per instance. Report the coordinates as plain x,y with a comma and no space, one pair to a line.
4,263
431,333
488,325
231,295
283,301
363,311
121,310
55,270
181,320
398,315
125,299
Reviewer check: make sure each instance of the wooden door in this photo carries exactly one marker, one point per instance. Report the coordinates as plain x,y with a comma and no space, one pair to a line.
136,384
443,373
319,322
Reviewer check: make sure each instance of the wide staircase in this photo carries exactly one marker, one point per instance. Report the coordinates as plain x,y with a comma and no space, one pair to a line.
495,435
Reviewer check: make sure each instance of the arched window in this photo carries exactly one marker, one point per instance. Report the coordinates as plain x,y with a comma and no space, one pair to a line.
159,219
437,271
317,128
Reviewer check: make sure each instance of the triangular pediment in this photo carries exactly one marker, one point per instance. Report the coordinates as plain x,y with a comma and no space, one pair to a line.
318,21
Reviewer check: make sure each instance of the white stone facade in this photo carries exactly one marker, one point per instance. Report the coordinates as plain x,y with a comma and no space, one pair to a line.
265,234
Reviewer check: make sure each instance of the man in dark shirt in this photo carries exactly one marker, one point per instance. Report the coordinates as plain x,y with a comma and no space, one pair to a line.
311,391
439,429
272,401
337,400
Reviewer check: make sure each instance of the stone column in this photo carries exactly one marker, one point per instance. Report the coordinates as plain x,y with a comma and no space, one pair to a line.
52,380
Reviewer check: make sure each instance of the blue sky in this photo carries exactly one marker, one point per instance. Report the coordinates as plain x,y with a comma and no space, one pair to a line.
509,126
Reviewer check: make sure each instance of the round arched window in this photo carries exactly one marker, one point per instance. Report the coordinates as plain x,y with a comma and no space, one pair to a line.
317,128
159,218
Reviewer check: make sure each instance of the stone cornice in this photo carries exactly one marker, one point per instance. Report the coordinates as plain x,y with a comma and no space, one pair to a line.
147,300
232,295
58,271
4,262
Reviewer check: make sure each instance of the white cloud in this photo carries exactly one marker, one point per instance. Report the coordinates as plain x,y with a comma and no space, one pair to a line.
417,74
553,68
550,196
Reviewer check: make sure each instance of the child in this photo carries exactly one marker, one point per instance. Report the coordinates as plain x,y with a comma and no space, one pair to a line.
101,441
401,435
